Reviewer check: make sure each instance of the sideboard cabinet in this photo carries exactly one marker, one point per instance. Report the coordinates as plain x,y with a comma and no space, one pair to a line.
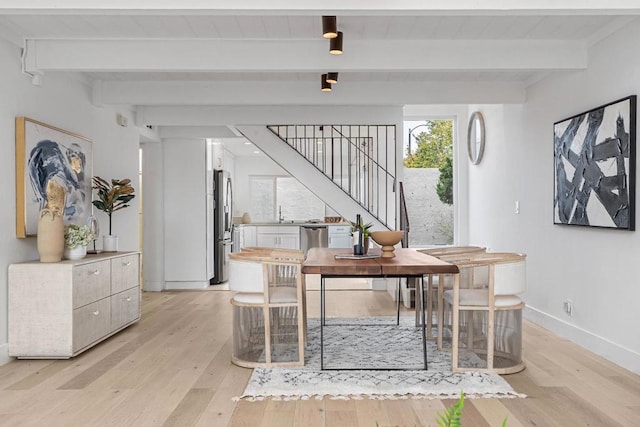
58,310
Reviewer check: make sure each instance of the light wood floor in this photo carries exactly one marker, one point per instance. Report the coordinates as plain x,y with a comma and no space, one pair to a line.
172,368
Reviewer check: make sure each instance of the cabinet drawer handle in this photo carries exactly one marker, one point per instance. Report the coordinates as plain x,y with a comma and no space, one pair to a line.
127,299
126,264
96,273
95,313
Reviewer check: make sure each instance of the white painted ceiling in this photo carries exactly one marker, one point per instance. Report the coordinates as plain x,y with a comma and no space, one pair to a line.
149,53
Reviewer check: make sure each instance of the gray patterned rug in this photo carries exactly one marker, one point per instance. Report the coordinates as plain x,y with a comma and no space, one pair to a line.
368,344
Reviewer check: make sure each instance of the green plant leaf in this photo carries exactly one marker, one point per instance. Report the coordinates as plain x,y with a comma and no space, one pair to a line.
452,415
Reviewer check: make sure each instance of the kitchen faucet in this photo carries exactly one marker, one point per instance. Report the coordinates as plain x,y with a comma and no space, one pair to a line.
280,217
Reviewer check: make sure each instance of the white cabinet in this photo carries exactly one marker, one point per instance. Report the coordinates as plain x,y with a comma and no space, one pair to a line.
248,236
57,310
278,236
340,236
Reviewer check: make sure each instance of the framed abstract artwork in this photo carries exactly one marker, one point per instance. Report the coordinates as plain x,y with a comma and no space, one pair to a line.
595,165
51,159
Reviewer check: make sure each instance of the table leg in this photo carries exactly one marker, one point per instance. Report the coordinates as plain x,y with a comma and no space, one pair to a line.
321,322
423,322
399,284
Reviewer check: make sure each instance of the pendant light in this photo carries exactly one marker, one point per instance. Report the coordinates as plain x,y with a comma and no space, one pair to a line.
335,45
324,84
329,27
332,78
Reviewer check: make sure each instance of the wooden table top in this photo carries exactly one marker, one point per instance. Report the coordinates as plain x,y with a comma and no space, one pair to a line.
407,262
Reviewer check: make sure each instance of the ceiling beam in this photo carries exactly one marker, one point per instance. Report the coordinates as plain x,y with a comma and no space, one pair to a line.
301,55
342,7
308,93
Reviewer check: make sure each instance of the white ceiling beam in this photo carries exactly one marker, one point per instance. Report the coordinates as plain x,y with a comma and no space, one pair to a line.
308,93
251,115
196,132
301,55
342,7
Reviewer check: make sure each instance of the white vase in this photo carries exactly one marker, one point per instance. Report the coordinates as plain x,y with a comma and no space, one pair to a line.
78,252
110,243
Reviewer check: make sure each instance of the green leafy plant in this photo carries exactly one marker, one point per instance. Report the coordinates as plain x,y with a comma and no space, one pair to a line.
445,182
77,235
112,196
452,415
360,226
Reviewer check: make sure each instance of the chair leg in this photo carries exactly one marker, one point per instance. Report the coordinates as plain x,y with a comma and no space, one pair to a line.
429,302
267,334
456,322
440,312
490,337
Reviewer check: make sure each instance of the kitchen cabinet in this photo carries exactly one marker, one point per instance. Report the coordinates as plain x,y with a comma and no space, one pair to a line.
58,310
340,236
248,236
278,236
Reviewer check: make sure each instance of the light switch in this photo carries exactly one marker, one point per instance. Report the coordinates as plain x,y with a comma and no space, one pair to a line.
517,207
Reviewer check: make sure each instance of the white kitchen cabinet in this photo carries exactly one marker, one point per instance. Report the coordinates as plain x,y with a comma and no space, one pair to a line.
248,236
340,236
58,310
278,236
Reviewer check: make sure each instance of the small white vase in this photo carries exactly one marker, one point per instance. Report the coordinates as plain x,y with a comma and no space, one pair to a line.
78,252
110,243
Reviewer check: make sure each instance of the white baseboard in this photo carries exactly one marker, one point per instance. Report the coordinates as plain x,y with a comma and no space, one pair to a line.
4,354
150,286
601,346
185,285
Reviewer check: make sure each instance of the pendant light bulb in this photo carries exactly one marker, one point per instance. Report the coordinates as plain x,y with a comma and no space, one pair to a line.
329,27
335,45
325,86
332,78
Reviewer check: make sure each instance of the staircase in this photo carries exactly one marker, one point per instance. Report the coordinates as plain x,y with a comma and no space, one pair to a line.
353,166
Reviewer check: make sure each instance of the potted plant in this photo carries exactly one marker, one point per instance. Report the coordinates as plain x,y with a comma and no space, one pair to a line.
112,197
76,239
366,233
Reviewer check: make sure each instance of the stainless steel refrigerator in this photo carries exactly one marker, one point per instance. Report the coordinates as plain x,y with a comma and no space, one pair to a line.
222,224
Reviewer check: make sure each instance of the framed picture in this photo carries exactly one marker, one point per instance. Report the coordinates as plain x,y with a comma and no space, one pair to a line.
595,165
50,159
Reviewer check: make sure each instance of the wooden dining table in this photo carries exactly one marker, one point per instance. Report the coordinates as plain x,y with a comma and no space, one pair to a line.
407,263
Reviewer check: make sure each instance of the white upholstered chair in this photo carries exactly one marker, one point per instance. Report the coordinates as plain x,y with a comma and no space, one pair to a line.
486,322
268,307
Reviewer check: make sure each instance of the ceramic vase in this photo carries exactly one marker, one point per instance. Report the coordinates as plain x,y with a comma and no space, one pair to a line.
110,243
50,235
78,252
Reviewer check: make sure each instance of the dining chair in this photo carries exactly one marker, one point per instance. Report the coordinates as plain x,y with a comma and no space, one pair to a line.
486,322
268,308
436,284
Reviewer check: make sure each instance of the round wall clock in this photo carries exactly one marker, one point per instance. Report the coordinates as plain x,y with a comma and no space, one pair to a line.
475,137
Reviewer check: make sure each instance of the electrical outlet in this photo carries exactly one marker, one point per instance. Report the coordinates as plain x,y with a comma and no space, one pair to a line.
568,307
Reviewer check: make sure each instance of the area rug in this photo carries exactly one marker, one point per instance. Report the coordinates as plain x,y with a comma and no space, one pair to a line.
370,344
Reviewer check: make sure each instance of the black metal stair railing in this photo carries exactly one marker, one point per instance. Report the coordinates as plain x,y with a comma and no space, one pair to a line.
359,159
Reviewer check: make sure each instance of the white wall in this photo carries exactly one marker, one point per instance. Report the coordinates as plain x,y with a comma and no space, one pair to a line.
153,216
65,104
597,269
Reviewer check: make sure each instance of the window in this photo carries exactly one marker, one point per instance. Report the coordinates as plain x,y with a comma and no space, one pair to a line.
271,196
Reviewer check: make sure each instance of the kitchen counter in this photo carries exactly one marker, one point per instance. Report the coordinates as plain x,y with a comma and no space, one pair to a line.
295,223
